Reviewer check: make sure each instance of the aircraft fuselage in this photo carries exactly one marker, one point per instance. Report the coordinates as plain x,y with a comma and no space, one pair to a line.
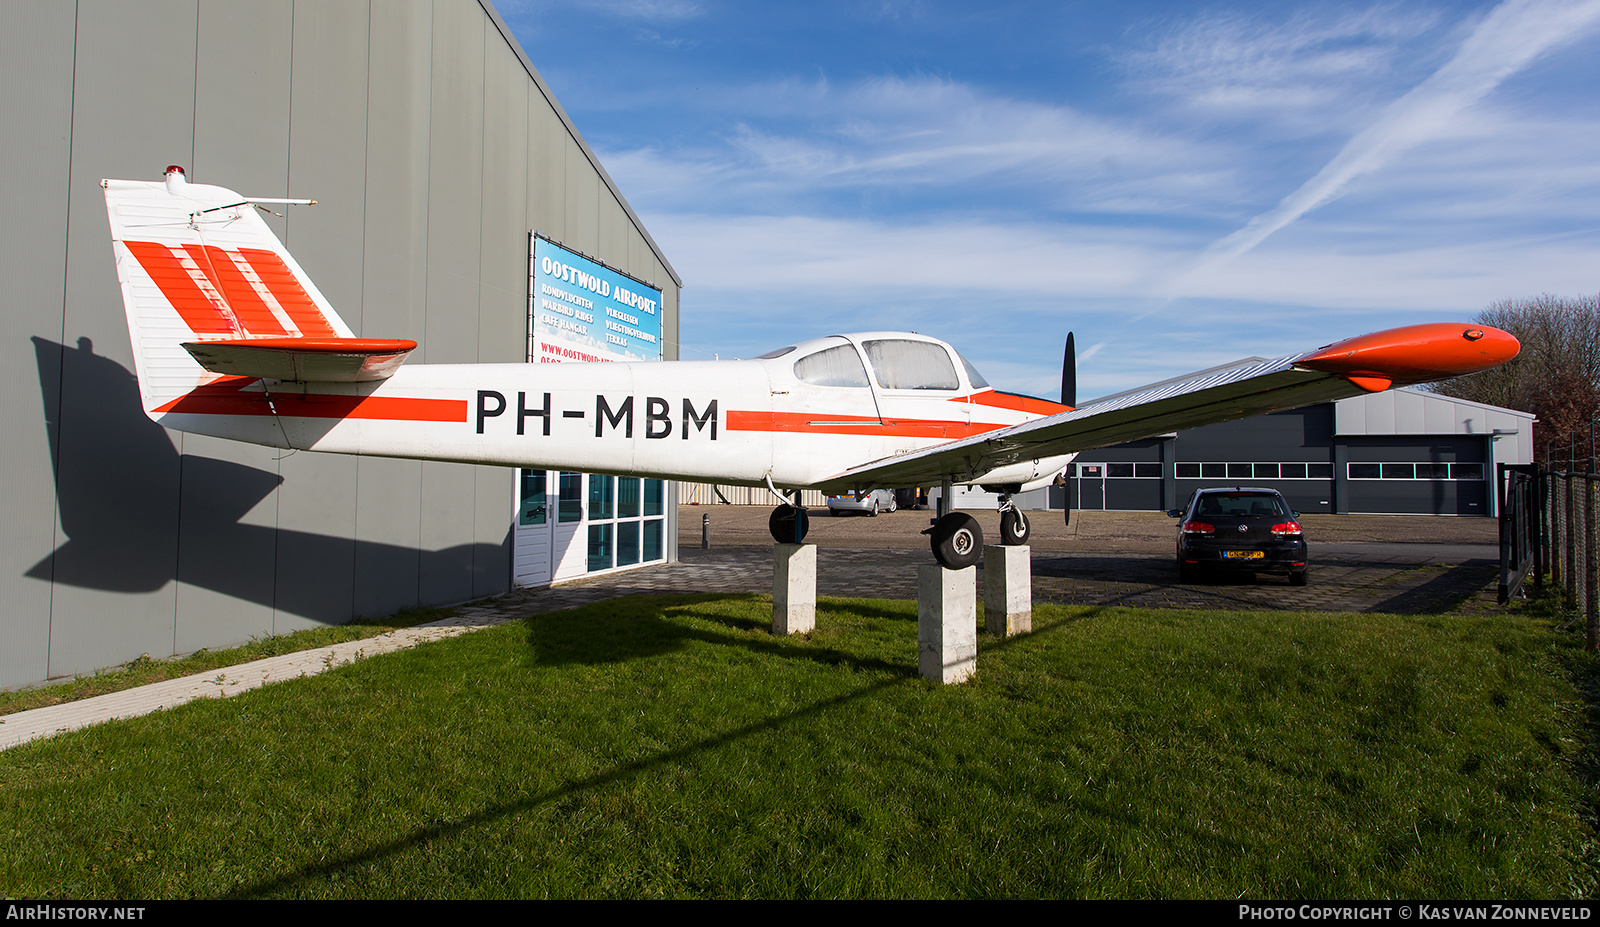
740,422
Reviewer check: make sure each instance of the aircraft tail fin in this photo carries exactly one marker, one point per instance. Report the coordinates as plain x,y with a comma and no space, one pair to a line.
210,291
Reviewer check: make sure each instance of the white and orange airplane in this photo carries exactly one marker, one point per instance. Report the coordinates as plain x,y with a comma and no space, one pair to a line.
232,339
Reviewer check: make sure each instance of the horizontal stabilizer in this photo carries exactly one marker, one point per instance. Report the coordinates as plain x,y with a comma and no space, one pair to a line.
321,360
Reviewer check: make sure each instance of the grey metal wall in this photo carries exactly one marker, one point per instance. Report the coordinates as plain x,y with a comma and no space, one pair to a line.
432,146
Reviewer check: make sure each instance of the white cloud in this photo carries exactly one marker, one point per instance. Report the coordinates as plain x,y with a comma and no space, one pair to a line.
1319,60
760,257
917,136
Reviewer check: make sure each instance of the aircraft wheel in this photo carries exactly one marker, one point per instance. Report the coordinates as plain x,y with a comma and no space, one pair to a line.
1014,528
788,524
957,541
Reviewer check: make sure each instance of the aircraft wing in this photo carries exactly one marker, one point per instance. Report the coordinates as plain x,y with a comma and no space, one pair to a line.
1370,363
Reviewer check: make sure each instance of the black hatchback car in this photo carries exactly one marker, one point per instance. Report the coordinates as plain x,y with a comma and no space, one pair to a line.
1240,530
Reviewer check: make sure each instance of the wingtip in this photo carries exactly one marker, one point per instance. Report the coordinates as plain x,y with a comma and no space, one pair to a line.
1414,354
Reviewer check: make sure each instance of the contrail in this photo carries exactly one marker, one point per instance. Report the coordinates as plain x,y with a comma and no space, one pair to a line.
1513,34
1509,38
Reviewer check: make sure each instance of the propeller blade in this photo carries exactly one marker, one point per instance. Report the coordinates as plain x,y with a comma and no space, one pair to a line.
1069,374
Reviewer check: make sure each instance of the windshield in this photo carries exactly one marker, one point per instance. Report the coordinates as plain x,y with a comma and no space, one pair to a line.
976,378
1242,505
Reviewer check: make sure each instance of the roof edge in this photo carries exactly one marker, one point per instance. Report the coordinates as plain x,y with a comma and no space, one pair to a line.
550,97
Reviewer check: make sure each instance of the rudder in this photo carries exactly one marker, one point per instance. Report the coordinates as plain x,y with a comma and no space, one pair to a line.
197,264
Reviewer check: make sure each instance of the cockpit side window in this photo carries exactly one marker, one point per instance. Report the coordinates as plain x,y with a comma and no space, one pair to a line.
912,365
837,366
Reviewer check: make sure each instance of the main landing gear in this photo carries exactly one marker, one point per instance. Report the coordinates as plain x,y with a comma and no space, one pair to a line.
957,540
788,524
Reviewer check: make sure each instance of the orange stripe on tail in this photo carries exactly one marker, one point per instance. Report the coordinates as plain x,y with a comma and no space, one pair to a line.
201,311
281,283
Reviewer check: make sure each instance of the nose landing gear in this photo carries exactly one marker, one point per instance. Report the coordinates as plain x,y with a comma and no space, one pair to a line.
1014,527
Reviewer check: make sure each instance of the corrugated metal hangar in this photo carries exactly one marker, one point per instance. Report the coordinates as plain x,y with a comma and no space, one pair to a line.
435,151
1399,452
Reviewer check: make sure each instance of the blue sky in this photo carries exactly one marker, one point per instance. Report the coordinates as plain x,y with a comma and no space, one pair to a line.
1181,184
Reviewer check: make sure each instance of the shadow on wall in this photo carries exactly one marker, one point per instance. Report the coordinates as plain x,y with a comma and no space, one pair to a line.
118,488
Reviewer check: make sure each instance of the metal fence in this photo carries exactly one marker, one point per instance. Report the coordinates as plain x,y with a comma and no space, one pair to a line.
708,494
1550,533
1573,546
1522,492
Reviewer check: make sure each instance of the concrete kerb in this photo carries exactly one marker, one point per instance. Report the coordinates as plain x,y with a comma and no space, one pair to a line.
26,726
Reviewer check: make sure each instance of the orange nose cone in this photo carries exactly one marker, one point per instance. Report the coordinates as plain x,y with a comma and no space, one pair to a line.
1416,353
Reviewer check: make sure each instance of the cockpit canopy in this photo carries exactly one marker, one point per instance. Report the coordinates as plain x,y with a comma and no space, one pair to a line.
898,361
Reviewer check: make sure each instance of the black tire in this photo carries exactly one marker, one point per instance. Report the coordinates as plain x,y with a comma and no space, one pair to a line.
782,524
894,504
873,512
957,541
1187,575
1299,577
1014,528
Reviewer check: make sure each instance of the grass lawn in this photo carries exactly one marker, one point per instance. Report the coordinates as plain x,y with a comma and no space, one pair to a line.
144,671
669,746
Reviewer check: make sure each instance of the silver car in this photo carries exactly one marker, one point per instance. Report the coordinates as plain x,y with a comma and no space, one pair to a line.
878,500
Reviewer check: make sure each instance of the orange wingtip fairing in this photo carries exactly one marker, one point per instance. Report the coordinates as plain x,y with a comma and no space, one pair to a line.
1414,354
322,345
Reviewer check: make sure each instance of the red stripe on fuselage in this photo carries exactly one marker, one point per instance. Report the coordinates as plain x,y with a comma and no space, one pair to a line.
227,397
824,424
1015,402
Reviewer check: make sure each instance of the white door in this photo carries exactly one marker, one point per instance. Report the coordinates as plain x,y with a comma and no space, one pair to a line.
570,554
530,550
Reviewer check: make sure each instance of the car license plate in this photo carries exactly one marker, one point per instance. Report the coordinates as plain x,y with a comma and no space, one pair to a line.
1243,554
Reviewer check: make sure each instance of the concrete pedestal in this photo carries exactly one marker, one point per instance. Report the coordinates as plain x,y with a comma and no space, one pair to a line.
947,623
1008,590
794,588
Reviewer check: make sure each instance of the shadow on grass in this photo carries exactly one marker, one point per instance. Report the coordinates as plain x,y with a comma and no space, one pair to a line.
567,637
288,882
638,627
1583,668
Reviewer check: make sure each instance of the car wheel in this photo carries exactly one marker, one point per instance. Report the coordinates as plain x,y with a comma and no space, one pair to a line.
894,506
873,512
1299,577
1014,528
1187,575
957,541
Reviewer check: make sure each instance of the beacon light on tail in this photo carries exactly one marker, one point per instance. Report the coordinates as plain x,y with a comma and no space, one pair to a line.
231,338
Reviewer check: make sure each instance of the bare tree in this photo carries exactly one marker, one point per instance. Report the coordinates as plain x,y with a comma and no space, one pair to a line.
1557,375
